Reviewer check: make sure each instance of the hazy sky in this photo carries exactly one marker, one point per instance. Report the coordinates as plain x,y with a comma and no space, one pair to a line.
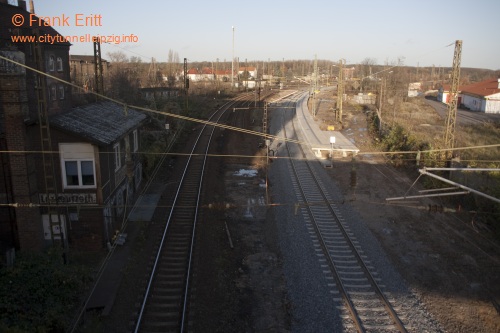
420,32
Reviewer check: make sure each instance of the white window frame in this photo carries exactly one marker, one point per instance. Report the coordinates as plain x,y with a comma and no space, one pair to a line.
77,153
118,157
135,136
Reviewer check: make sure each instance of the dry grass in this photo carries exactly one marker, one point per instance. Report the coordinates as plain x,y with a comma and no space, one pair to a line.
425,126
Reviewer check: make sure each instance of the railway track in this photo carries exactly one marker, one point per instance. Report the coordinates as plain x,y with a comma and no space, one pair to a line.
363,305
165,304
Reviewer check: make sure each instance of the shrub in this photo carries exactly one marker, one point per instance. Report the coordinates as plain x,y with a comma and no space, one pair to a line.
38,292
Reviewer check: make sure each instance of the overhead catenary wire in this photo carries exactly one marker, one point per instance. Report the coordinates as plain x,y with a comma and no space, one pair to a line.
238,129
224,126
184,118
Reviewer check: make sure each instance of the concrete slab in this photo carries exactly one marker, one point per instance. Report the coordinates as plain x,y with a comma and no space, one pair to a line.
145,206
104,294
317,139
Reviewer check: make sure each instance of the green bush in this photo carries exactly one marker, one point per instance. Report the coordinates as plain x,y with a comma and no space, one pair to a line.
39,292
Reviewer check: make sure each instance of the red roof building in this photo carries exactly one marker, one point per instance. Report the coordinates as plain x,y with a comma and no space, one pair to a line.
482,96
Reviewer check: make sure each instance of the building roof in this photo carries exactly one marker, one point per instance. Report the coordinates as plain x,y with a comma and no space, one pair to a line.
8,29
193,71
223,72
208,71
247,68
85,58
102,122
483,88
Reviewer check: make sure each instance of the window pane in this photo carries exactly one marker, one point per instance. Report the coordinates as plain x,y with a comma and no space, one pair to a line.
59,64
118,160
61,92
87,173
71,173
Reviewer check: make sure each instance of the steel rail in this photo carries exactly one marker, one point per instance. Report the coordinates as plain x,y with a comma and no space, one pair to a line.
345,294
153,272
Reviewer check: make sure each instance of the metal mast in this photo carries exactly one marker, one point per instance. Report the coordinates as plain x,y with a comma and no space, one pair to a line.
232,64
99,81
186,83
315,85
340,91
451,118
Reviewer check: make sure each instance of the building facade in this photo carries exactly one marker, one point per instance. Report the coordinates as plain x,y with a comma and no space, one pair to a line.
482,96
91,150
82,71
100,170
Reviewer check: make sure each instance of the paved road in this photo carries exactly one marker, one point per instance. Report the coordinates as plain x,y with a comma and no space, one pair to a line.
463,116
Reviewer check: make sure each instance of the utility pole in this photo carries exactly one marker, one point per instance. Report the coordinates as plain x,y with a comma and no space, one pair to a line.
186,83
99,81
232,64
216,79
266,145
284,73
379,111
432,76
451,118
340,91
257,85
315,85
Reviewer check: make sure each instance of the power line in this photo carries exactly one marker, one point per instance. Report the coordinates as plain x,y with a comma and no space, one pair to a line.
224,126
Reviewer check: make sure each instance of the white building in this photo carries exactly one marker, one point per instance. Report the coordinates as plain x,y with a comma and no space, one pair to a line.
482,96
252,71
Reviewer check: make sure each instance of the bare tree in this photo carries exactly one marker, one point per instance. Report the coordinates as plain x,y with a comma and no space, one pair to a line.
365,72
172,66
117,57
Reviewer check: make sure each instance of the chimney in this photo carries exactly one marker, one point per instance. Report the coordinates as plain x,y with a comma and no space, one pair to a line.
21,4
32,7
498,82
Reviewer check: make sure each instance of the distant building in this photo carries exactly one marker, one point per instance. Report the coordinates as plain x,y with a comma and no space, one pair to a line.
414,89
154,93
252,71
208,74
483,96
82,70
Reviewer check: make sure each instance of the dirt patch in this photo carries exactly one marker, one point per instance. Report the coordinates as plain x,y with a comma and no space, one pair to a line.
239,282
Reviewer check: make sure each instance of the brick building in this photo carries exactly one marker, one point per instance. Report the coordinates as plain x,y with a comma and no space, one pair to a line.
19,226
93,148
82,70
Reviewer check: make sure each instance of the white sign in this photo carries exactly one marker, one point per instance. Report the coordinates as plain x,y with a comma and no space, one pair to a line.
68,198
54,228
